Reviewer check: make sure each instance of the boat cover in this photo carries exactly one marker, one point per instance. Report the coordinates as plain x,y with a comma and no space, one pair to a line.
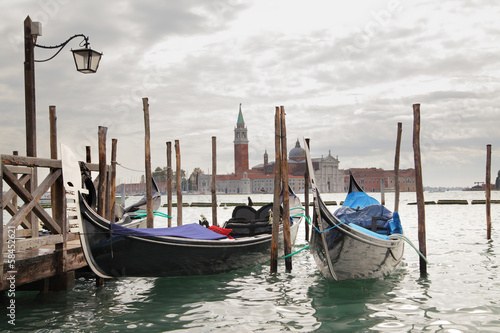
359,208
359,200
192,231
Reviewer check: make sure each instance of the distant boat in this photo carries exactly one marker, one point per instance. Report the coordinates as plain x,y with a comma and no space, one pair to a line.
358,241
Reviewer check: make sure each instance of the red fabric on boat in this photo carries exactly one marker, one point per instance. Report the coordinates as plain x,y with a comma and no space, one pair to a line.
221,231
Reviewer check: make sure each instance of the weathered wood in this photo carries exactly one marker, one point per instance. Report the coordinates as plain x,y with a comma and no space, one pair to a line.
287,244
11,194
30,161
101,188
277,190
306,194
419,188
57,190
1,219
29,89
169,182
396,167
488,191
178,181
149,183
31,200
34,243
44,266
114,143
214,180
88,155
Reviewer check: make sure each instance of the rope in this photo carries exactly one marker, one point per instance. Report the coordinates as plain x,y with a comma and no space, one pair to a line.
294,253
411,244
129,168
143,213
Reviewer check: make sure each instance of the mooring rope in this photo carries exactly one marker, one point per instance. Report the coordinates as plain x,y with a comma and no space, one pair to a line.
411,244
129,168
143,213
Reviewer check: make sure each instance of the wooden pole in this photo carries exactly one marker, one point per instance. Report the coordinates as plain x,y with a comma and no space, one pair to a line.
277,190
57,190
382,191
419,188
169,182
101,188
88,155
214,180
286,194
306,193
396,168
30,108
149,181
488,192
112,195
178,181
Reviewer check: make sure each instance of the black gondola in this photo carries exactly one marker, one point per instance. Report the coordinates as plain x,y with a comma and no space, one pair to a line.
112,250
358,241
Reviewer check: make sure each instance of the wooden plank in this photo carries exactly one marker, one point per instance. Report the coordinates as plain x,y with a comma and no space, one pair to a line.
31,200
19,169
12,210
41,267
11,194
30,161
33,243
306,193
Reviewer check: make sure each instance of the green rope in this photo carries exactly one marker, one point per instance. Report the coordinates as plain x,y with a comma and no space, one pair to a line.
294,253
411,244
155,212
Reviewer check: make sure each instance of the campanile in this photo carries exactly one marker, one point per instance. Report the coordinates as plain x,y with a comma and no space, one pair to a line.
240,146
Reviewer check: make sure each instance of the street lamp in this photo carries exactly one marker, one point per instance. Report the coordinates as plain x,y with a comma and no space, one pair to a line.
86,61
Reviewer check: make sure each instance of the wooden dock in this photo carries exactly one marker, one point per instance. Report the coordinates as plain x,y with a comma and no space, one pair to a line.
30,259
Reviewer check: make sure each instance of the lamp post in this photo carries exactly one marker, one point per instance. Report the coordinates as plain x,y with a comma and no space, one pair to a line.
86,61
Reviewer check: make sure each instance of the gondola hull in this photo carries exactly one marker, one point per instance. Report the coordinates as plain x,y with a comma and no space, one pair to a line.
134,256
352,254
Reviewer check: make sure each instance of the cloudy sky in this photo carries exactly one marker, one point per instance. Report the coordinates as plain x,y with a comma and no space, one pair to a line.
346,73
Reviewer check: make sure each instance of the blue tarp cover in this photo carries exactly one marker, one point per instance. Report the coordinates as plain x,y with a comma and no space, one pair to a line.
358,209
192,231
363,216
359,199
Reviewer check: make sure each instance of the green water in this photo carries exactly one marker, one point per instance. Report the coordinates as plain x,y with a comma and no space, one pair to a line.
460,294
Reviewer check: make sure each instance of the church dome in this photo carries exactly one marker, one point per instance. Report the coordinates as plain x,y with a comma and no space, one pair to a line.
297,153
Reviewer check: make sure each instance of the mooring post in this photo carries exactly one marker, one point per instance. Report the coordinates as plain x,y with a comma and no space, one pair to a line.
149,182
396,168
214,180
382,191
169,182
277,190
286,205
488,192
419,188
178,181
101,192
88,155
306,193
112,213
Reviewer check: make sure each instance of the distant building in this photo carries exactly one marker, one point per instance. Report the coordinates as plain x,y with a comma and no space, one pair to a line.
371,179
260,178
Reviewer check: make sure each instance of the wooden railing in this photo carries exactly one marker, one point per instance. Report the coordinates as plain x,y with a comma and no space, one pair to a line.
20,174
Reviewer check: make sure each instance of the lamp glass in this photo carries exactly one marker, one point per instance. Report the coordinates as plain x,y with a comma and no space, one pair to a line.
86,60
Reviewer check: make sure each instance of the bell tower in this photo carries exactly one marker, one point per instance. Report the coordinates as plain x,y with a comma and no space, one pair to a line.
240,146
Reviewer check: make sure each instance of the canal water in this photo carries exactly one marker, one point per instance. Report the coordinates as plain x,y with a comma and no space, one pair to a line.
460,294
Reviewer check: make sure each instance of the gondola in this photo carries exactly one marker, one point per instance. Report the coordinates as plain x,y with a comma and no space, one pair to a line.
361,240
112,250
